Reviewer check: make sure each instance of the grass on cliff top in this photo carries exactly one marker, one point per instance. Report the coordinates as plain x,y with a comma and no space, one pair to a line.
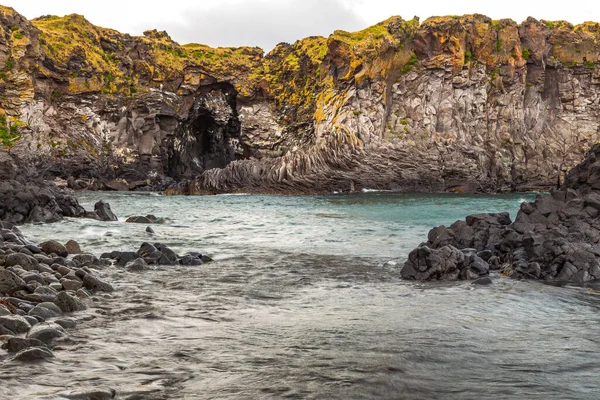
368,38
7,10
62,37
227,60
315,47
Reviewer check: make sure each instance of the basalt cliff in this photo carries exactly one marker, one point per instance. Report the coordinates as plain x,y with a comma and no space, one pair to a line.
458,103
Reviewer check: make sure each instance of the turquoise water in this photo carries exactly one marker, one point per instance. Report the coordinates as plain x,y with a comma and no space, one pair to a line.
304,301
386,225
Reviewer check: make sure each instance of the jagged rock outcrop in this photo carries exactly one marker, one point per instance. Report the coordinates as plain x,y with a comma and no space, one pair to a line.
32,202
555,238
451,104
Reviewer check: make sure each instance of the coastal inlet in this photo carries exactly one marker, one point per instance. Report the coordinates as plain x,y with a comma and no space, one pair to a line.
304,301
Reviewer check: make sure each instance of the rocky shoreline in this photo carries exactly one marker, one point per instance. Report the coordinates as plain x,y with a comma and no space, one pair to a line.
42,285
554,238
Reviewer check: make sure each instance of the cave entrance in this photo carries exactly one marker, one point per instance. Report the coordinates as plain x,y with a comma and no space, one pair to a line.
209,136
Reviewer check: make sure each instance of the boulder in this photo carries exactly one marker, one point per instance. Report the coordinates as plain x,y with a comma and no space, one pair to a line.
554,238
44,312
95,284
10,282
68,303
118,185
54,247
46,332
73,247
148,219
16,344
103,211
33,354
15,323
137,265
23,260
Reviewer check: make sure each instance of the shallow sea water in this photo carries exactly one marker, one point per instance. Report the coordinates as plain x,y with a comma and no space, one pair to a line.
304,301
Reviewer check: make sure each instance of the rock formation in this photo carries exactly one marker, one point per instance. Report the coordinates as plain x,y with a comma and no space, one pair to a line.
458,103
555,238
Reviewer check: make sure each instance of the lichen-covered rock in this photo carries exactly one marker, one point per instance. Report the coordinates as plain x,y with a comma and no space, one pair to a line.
457,103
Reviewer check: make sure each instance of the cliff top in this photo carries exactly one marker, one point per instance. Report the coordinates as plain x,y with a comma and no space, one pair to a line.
300,78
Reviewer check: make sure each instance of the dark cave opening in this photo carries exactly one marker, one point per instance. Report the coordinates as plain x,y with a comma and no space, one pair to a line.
209,136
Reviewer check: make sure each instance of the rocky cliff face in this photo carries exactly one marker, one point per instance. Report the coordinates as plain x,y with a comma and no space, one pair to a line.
450,104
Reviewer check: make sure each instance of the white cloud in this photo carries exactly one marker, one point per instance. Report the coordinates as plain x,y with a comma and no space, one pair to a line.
262,23
267,22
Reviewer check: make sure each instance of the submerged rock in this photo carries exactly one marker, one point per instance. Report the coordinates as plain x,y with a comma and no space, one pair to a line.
148,219
33,354
46,332
16,344
137,265
444,263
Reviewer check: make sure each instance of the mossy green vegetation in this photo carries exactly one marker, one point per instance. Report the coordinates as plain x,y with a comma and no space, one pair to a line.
9,132
409,65
305,81
468,56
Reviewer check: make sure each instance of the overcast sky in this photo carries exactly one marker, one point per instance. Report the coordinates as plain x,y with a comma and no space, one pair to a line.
265,23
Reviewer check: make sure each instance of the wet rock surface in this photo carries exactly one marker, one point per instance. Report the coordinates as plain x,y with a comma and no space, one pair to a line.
148,219
41,201
41,285
35,295
154,254
554,238
31,202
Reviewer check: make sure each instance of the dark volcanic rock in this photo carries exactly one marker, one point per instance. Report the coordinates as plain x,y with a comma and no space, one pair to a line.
73,247
554,238
31,202
117,185
148,219
33,354
154,254
52,246
10,282
103,211
16,344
